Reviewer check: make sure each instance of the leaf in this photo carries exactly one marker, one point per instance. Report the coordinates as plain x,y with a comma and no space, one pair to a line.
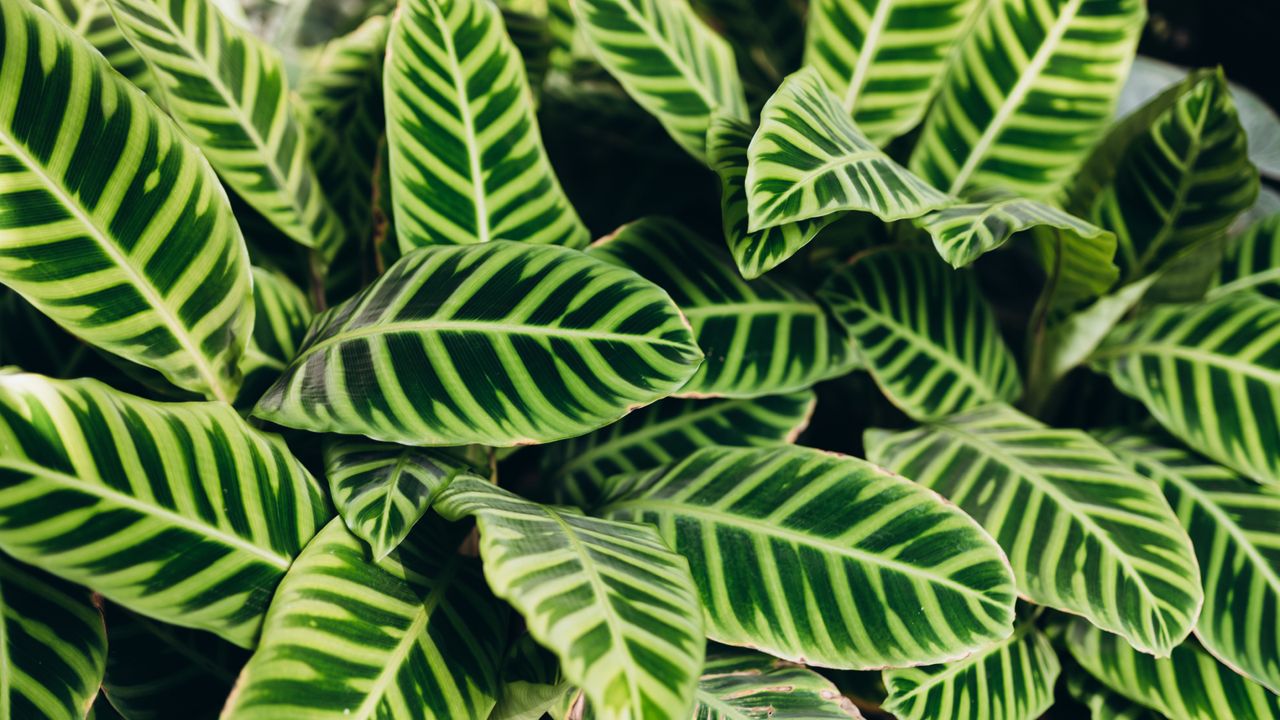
670,63
467,162
79,235
608,598
179,511
1103,703
884,59
531,682
1210,374
1078,268
92,20
1190,685
501,343
281,313
1084,533
1030,88
671,430
759,338
767,34
416,635
54,649
924,331
824,559
742,685
1252,263
1010,680
808,159
229,93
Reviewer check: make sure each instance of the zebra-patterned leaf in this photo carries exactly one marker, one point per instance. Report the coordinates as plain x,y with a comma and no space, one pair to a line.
963,233
1085,534
92,20
1252,262
767,34
924,331
608,598
179,511
501,343
415,635
808,159
467,162
743,685
884,59
670,63
531,682
1103,703
1189,685
759,338
824,559
1003,118
281,313
80,236
229,92
1210,374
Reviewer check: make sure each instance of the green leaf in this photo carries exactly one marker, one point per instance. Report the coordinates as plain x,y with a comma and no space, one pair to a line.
820,558
608,598
1031,86
743,685
1210,374
80,236
54,648
92,20
767,34
500,343
924,331
1103,703
416,635
885,59
1252,263
808,159
759,338
531,682
229,93
179,511
670,63
1084,533
1077,268
467,162
281,313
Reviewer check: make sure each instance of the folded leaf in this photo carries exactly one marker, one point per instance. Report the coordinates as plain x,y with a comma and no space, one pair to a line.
743,685
963,233
1252,263
281,313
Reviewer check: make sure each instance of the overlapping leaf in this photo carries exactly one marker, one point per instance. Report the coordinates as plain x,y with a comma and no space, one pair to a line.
1252,262
92,20
1103,703
531,682
281,313
743,685
963,233
768,35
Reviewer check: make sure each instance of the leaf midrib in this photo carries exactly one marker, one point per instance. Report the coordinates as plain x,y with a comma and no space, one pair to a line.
869,50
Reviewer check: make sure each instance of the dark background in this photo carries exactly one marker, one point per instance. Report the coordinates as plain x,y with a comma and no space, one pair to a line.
1240,35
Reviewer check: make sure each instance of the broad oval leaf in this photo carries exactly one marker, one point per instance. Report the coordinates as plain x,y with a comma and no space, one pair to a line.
281,313
742,685
759,338
608,598
963,233
924,331
1084,533
415,635
179,511
500,343
1252,262
80,237
824,559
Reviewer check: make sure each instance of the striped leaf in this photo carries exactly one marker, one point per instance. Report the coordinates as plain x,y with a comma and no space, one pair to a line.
1084,533
1077,268
531,682
759,338
1031,86
80,237
671,430
608,598
924,331
821,558
1102,702
885,59
808,159
963,233
415,635
229,93
467,162
670,63
743,685
767,35
1210,374
92,20
178,511
1252,262
1189,685
281,313
54,648
501,343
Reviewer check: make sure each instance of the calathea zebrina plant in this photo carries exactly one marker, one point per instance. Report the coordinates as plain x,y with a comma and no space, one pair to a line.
633,359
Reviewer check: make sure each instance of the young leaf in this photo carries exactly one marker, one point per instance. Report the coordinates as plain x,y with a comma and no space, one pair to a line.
531,682
500,343
1252,263
825,559
744,685
281,313
81,236
614,604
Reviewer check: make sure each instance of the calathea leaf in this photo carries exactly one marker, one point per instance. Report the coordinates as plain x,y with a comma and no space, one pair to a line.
1077,268
281,314
744,685
1021,131
798,552
415,635
92,20
608,598
767,34
924,331
759,338
1253,262
532,37
1084,533
531,682
229,92
1103,703
500,343
467,162
80,236
179,511
808,159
